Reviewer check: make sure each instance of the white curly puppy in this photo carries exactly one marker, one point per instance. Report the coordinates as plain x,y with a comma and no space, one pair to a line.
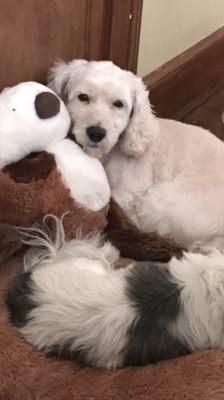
168,176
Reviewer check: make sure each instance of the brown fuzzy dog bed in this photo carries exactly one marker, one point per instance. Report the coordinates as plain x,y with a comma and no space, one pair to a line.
25,374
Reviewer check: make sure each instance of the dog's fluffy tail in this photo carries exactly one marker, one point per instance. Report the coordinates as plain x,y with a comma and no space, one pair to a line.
111,318
48,244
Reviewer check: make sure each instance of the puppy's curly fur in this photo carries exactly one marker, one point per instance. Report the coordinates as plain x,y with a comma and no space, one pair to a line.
166,175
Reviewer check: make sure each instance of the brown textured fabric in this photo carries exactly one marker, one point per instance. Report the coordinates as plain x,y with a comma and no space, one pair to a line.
25,374
32,188
9,241
117,218
135,244
34,167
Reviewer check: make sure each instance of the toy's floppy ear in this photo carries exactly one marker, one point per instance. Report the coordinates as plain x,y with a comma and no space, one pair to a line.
60,76
138,133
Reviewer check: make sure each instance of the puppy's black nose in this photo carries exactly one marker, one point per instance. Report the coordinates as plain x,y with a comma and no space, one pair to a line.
96,133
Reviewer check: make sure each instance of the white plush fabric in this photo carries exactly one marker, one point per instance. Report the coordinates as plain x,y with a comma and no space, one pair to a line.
84,175
23,132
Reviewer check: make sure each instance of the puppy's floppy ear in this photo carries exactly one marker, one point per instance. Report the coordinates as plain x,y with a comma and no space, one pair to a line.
60,76
142,123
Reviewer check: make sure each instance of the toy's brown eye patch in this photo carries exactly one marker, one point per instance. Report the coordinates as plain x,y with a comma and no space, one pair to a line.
47,105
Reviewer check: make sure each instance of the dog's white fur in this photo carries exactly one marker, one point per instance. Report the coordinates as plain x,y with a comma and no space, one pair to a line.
201,277
168,176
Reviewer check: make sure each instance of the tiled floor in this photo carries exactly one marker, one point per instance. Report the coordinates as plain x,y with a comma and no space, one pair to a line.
209,114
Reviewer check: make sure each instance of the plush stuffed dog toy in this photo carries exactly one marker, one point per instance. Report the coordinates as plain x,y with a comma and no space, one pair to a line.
44,172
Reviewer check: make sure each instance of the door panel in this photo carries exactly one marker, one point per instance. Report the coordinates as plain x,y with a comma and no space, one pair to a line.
34,33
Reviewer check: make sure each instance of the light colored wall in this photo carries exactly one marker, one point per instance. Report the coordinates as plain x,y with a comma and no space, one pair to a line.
171,26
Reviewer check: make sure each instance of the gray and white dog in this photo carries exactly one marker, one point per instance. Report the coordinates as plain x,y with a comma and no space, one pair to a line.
71,302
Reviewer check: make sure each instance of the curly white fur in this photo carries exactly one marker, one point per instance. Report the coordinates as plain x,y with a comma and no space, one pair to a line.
167,176
105,83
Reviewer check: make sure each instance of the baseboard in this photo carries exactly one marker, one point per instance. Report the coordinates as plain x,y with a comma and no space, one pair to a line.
181,82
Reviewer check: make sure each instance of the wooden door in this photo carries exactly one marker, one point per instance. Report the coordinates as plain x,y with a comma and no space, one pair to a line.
34,33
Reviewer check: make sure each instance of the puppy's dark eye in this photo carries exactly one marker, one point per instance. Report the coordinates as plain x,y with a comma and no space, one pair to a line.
118,104
83,97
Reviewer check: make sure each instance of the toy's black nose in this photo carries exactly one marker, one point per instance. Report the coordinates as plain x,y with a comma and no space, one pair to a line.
96,133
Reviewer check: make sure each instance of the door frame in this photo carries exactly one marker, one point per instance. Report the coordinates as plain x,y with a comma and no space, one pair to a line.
120,23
